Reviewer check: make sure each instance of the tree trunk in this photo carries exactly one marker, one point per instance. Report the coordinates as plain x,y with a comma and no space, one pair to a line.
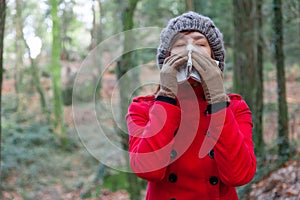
100,28
283,141
34,69
258,122
189,5
244,50
58,121
2,28
248,62
94,28
37,84
124,65
19,53
96,39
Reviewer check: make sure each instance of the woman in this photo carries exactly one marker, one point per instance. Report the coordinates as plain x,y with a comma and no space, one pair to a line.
191,140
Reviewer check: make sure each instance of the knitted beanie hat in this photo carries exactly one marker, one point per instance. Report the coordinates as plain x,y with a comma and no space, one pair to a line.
192,21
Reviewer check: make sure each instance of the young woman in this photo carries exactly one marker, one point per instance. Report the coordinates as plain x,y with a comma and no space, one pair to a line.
191,140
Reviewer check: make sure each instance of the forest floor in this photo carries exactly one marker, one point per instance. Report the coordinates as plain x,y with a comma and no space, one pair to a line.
73,172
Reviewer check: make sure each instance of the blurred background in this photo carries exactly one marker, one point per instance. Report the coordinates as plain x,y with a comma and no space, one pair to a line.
44,44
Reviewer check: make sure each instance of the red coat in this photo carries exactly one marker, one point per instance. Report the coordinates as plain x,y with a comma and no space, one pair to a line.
165,141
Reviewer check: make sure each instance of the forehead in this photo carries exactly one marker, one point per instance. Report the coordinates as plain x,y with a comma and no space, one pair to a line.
189,34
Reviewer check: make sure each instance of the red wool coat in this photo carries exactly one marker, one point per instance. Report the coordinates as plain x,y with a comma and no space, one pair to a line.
185,154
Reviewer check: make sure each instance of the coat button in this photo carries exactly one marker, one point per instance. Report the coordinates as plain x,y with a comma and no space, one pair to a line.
207,134
172,199
213,180
172,178
173,154
212,154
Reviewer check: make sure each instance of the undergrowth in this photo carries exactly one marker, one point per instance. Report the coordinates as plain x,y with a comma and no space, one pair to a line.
31,152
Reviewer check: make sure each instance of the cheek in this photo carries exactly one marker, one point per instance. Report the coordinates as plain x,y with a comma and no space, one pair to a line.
205,51
177,50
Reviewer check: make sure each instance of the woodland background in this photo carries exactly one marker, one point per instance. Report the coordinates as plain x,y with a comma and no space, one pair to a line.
44,43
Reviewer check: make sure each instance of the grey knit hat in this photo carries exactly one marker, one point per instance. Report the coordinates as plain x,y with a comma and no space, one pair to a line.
192,21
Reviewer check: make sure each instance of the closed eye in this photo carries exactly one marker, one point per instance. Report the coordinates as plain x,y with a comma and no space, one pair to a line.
179,45
200,44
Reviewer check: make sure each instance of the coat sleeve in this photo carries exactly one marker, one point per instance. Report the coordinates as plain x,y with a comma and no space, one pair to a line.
151,137
234,149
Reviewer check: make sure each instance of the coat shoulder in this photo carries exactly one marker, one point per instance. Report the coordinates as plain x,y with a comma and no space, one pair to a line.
237,103
234,96
141,103
148,98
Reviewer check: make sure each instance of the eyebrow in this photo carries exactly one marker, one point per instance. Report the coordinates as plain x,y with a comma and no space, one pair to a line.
198,37
183,36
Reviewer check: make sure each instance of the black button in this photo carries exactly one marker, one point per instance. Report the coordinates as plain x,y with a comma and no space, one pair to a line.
172,178
173,154
207,134
213,180
212,154
172,199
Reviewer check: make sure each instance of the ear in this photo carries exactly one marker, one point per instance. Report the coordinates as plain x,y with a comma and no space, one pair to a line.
169,53
212,54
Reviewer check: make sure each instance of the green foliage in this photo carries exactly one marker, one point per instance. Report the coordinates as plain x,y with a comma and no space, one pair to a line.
116,181
24,148
30,148
157,12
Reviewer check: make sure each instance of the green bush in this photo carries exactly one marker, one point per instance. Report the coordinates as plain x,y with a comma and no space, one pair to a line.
24,146
31,149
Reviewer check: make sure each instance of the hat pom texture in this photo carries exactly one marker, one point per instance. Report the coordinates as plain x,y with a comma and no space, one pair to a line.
192,21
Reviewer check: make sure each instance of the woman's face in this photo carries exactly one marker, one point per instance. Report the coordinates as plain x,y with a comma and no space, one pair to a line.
198,40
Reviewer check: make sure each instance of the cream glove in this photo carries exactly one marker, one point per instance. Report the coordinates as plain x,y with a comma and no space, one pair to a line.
212,78
168,80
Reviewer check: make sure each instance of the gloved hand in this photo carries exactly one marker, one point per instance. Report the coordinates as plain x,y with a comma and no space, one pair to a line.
168,80
212,78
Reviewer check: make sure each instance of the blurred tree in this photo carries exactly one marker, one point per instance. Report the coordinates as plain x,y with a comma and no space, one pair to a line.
244,49
248,61
58,121
96,31
99,27
291,31
19,45
283,140
35,72
2,28
94,28
96,37
199,6
258,122
189,5
157,12
68,25
124,65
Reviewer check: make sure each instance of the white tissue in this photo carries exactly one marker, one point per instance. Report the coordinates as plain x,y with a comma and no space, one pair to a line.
187,71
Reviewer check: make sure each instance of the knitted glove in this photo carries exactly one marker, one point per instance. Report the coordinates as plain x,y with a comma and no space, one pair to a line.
168,80
212,78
